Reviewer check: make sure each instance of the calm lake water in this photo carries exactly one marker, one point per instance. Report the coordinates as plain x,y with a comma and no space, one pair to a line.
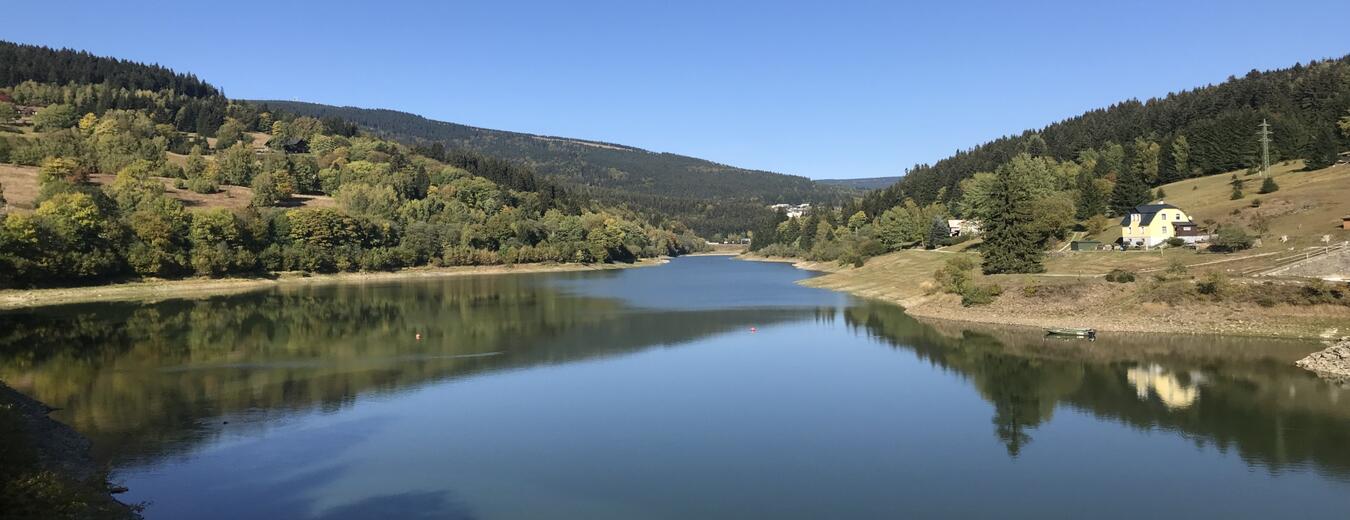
645,393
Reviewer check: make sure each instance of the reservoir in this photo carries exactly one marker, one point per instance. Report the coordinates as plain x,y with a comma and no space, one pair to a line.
705,388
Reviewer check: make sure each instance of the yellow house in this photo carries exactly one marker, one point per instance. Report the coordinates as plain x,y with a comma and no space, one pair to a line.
1151,224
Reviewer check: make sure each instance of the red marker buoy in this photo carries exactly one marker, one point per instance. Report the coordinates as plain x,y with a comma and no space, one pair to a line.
753,330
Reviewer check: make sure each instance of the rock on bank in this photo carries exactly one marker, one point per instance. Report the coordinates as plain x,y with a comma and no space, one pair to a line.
1331,363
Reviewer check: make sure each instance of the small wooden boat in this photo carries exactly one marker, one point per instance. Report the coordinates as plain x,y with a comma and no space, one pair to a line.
1071,332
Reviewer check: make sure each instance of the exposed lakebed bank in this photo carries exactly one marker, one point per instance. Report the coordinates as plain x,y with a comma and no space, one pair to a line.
905,279
1332,363
155,289
48,470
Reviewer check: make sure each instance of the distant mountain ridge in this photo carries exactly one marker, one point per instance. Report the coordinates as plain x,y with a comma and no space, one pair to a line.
584,162
865,183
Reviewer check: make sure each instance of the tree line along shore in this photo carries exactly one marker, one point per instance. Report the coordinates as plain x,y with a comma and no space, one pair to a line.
145,290
1162,289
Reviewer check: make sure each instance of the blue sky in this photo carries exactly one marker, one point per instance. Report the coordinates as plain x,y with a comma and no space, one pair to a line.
821,89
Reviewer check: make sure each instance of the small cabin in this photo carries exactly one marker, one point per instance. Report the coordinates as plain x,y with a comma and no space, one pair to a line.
1084,245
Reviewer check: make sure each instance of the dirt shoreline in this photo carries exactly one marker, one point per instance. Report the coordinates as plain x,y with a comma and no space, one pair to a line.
59,449
156,290
1204,320
1111,308
805,265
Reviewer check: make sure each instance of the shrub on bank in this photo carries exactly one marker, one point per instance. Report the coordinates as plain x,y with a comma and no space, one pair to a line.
1120,276
1215,285
957,277
1231,239
980,294
781,250
954,275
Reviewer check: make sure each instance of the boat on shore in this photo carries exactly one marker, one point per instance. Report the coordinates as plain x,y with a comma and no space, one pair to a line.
1072,332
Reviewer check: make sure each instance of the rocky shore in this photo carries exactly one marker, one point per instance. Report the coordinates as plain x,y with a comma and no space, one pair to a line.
1332,363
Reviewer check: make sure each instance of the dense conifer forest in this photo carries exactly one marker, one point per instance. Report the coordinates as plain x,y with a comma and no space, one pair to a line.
1201,131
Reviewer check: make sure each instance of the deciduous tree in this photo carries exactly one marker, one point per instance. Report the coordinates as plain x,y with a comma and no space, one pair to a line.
54,117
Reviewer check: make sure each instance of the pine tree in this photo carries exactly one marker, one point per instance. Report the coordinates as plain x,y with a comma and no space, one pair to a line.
1181,157
1324,150
1011,244
808,237
1160,195
1130,192
938,233
1091,200
1269,186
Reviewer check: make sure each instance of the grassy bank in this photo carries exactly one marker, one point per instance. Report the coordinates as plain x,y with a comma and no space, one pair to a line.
155,289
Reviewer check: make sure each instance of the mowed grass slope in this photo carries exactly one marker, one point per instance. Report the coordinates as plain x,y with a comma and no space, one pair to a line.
1308,205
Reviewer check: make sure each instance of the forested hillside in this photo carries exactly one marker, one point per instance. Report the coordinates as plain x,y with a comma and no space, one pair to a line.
389,206
583,162
189,104
1034,191
866,183
712,198
1202,131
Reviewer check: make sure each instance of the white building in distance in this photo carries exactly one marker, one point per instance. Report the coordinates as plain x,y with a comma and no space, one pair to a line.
792,210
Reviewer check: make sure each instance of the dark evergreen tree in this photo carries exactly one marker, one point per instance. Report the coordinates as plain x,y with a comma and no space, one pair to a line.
766,232
1324,150
1091,200
1011,243
1269,186
1130,191
809,224
938,233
